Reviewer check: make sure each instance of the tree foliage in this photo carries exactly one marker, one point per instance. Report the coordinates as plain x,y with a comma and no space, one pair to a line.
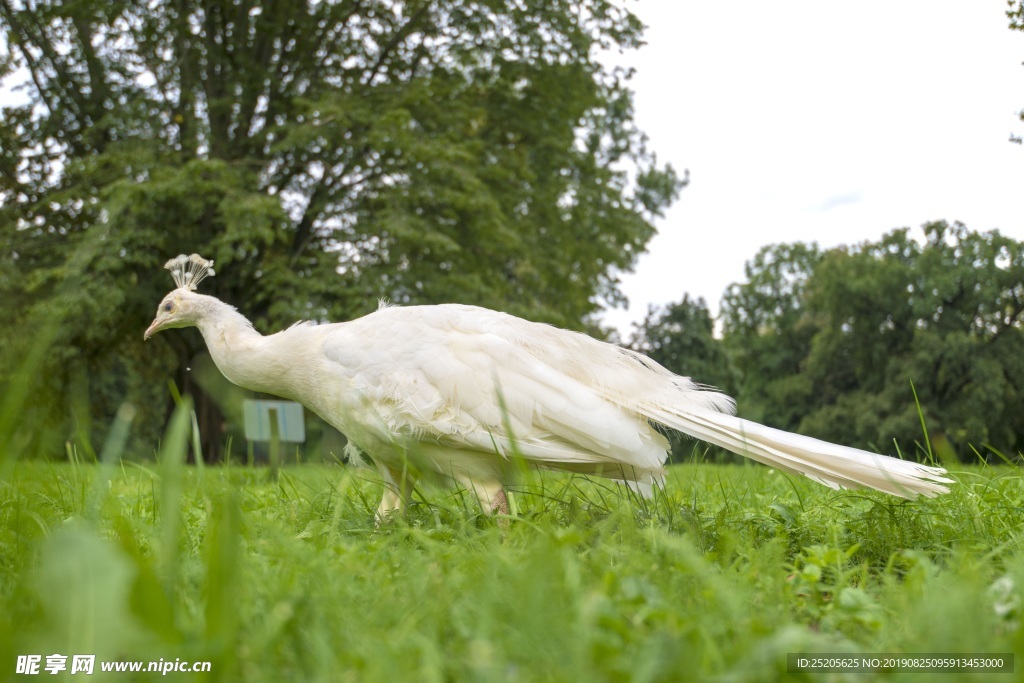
324,154
767,332
828,344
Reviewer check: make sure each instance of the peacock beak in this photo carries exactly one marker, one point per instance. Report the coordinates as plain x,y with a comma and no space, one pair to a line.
153,328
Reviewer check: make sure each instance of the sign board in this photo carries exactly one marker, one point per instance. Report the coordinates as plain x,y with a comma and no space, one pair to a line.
291,424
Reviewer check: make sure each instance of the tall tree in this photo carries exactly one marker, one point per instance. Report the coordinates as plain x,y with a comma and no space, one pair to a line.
768,333
946,313
324,154
830,348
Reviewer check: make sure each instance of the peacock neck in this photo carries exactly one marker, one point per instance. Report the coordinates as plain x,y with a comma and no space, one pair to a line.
232,341
245,357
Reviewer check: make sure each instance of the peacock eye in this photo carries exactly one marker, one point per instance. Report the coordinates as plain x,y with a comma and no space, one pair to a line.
168,306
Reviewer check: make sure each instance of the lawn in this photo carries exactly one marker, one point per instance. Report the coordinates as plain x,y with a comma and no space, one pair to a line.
719,577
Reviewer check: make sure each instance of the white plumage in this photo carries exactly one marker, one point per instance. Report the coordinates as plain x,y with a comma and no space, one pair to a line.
461,392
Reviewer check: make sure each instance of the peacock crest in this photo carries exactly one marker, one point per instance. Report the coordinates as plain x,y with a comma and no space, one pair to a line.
189,271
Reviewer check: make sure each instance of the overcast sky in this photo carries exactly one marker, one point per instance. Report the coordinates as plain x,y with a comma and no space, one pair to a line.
821,121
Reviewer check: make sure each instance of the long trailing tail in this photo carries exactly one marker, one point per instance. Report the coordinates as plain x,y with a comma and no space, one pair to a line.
827,463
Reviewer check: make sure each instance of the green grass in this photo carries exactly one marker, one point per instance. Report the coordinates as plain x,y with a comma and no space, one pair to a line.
719,577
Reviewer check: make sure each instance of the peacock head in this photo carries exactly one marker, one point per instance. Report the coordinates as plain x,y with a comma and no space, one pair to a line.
180,308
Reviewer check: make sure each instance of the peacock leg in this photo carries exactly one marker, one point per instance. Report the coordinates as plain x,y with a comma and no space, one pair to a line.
396,493
499,503
490,493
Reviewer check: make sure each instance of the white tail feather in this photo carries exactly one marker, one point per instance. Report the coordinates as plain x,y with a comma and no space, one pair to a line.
827,463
